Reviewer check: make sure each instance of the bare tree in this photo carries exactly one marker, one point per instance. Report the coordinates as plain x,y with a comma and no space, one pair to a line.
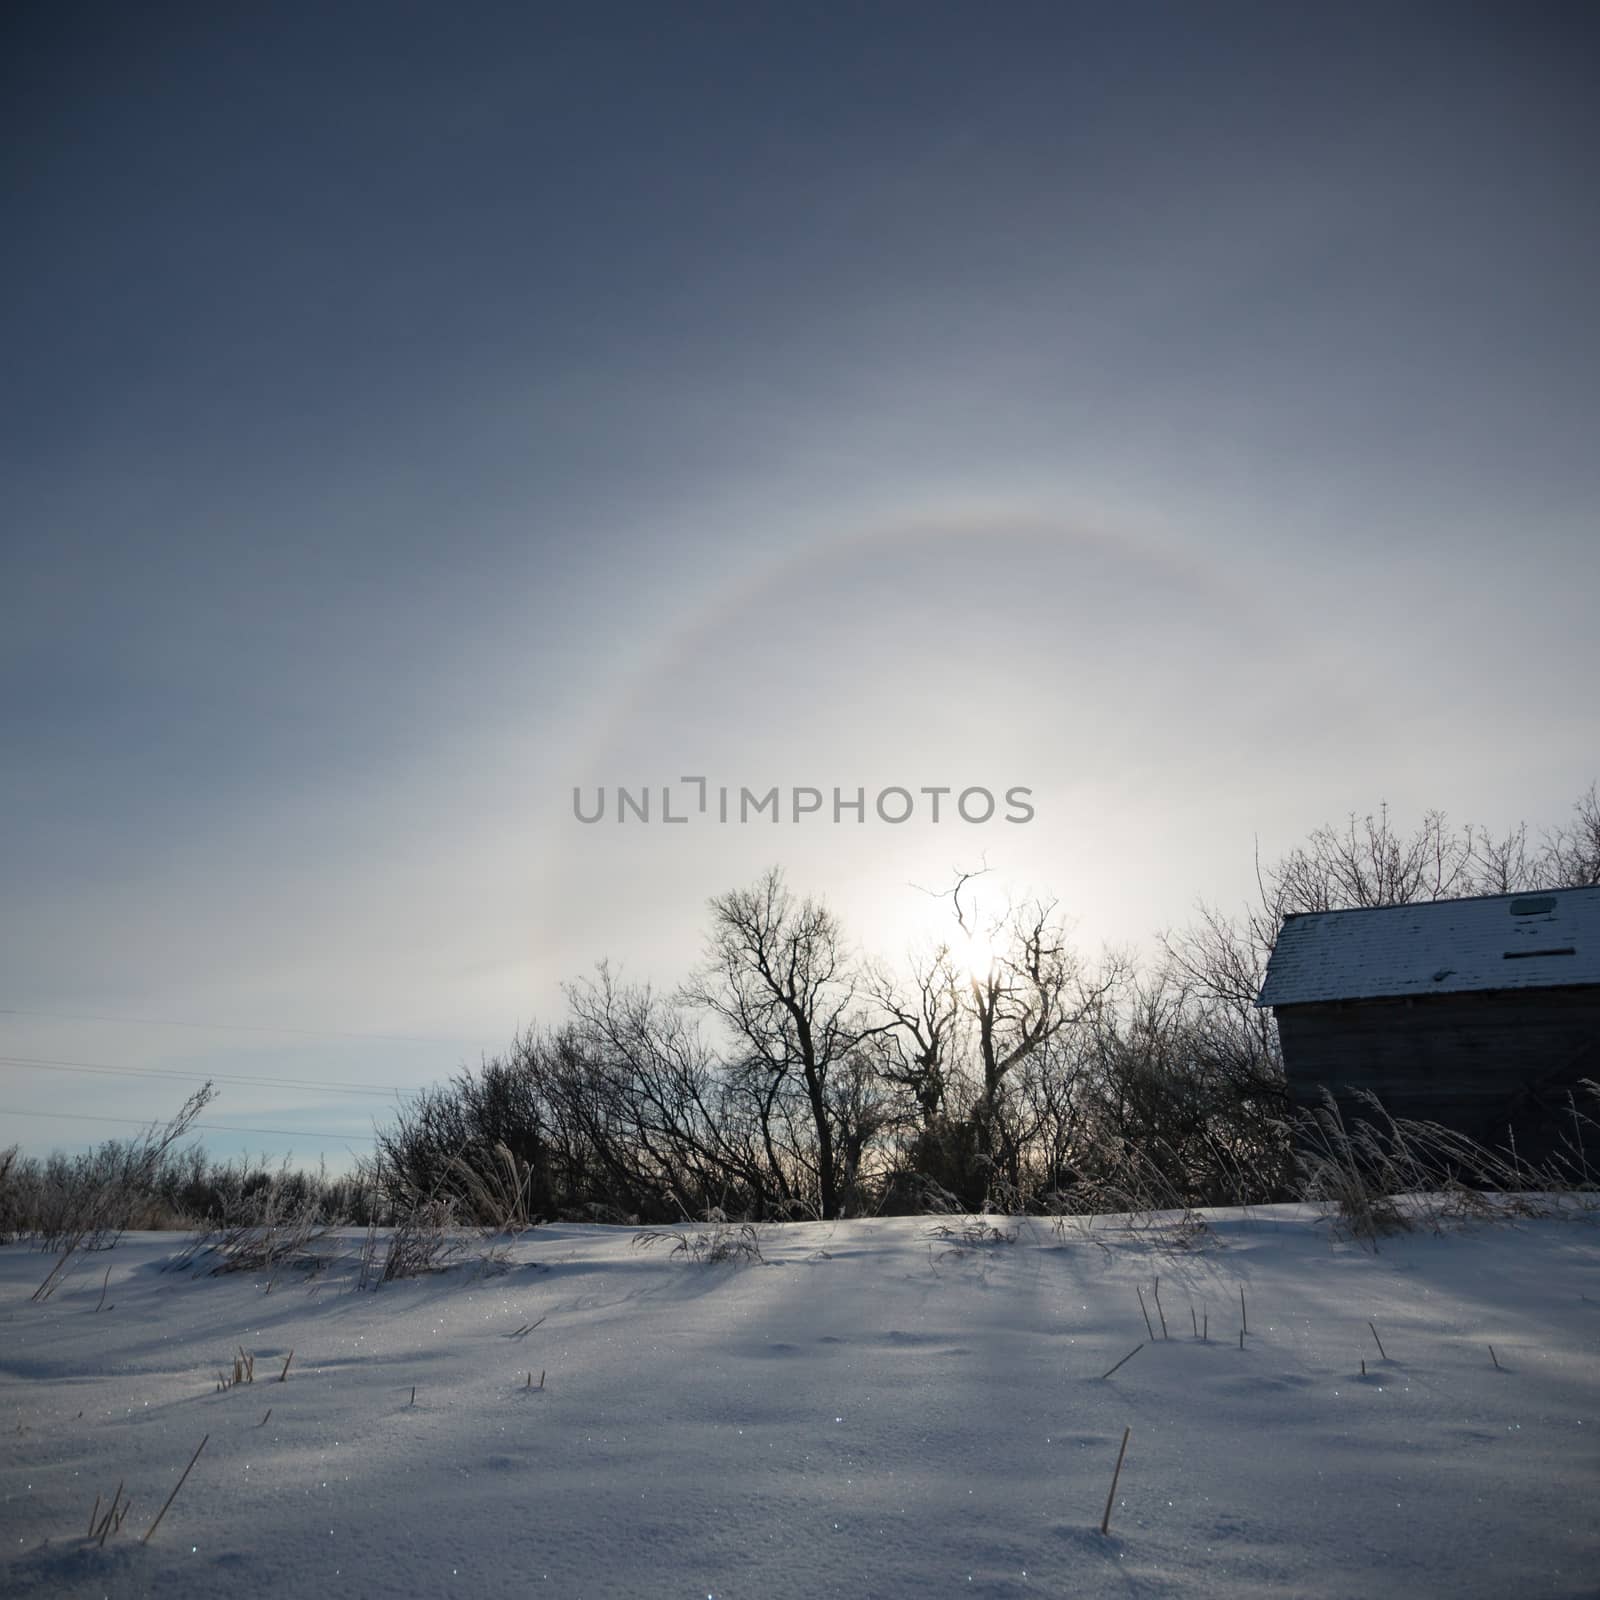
862,1108
1370,864
1501,866
918,1052
778,975
1571,856
1223,960
658,1107
995,998
1018,1000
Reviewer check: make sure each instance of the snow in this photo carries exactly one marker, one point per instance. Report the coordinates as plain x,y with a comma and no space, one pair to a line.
1515,941
871,1411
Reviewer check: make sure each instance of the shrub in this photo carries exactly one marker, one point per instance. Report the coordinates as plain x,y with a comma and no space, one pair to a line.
718,1242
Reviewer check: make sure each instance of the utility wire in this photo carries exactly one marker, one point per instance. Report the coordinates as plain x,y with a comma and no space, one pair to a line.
50,1064
238,1027
208,1127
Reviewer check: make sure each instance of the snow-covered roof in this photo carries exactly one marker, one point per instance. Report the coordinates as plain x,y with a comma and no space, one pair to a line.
1546,940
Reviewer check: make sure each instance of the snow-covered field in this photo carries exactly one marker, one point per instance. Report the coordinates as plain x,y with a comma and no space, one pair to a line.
871,1411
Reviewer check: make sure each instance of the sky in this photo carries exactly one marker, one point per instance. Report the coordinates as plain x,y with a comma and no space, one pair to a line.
413,414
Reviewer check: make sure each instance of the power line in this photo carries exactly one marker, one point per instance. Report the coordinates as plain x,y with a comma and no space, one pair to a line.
50,1064
238,1027
208,1127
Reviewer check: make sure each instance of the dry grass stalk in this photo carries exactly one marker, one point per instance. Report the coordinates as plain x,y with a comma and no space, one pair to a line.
99,1214
265,1234
1105,1521
244,1371
426,1239
286,1360
1137,1178
1385,1174
499,1190
175,1488
368,1256
717,1243
1147,1328
1379,1342
1159,1312
111,1511
1496,1359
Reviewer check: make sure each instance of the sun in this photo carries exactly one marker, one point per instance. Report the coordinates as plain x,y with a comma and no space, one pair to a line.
927,932
974,955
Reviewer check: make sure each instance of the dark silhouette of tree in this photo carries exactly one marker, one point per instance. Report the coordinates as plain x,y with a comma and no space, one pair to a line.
777,974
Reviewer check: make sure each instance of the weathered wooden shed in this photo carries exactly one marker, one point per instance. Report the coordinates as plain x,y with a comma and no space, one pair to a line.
1480,1014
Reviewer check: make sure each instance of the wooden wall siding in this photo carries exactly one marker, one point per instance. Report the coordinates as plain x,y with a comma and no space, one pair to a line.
1474,1062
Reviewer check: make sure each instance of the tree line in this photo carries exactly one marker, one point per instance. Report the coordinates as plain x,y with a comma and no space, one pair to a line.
789,1076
